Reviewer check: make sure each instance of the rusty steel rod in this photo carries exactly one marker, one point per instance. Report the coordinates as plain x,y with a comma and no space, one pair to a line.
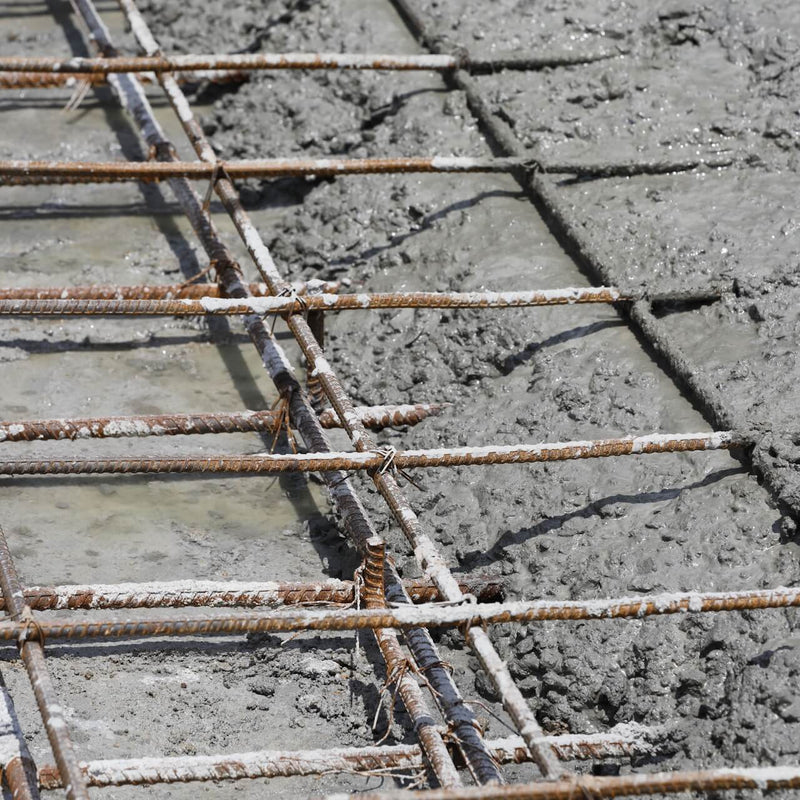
375,417
57,80
380,462
345,501
16,763
31,648
230,594
623,741
763,779
439,615
280,61
145,292
32,173
186,307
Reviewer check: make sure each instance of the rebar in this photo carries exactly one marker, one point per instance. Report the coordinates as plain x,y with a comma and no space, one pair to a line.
763,779
145,292
316,303
275,61
32,173
624,741
440,615
56,80
30,642
16,763
375,417
374,558
227,594
345,502
378,462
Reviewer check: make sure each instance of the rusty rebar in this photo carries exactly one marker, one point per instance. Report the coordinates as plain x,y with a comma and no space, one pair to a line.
624,741
30,640
441,615
33,173
230,594
378,462
315,304
142,425
763,779
344,499
316,321
57,80
374,564
279,61
16,764
145,292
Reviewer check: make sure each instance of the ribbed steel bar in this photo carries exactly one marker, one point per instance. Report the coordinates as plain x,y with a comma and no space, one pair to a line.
274,61
16,763
624,741
31,173
380,462
439,615
376,417
187,307
344,499
56,80
31,649
763,779
145,292
227,594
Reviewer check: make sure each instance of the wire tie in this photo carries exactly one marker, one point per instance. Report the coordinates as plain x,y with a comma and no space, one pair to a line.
216,173
388,465
32,630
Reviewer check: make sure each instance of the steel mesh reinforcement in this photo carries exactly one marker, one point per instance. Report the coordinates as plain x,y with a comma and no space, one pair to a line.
448,755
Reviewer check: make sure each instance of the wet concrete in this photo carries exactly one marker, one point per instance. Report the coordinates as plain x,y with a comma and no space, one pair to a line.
723,686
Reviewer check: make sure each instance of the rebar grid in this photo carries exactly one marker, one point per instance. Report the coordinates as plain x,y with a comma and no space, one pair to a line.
36,173
383,466
374,417
186,307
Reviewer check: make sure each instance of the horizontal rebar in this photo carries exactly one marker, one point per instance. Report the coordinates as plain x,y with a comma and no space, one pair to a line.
333,302
25,173
712,780
274,61
624,741
439,615
55,80
145,292
375,417
383,460
227,594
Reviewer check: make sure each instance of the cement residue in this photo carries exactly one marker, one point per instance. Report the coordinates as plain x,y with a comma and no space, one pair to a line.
722,684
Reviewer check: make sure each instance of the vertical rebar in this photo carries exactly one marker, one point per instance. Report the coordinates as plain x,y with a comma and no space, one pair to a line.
316,321
32,653
374,561
16,763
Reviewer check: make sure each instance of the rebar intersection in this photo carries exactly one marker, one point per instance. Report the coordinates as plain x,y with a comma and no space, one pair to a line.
482,757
